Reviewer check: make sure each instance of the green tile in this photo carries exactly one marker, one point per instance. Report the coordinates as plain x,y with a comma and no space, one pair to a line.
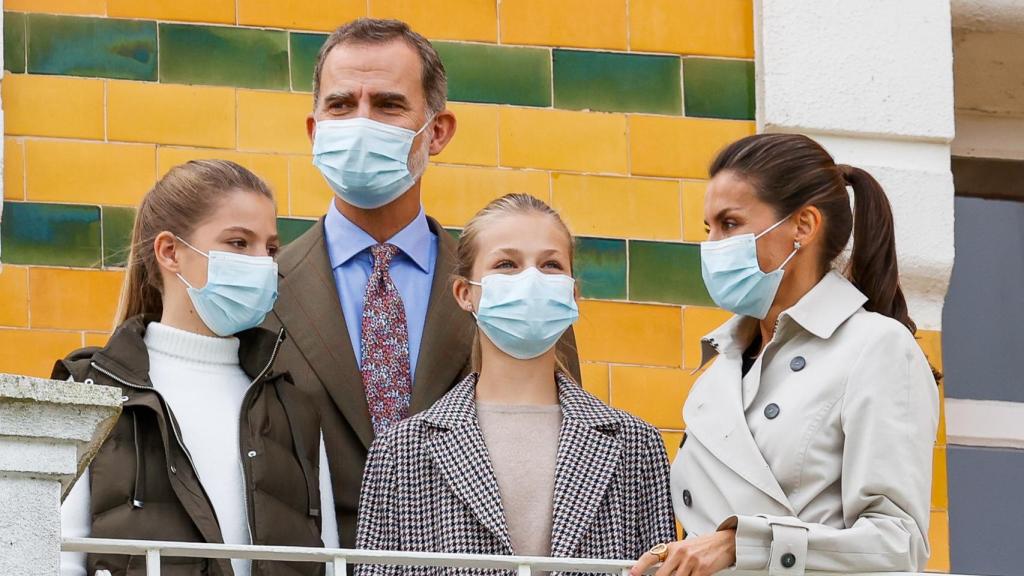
224,56
117,235
497,74
600,268
666,272
305,48
14,42
51,234
104,47
289,229
455,233
616,82
719,88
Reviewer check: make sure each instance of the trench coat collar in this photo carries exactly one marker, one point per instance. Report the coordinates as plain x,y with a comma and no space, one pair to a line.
832,301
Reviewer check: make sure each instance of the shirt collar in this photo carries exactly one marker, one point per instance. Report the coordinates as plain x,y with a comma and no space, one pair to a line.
821,312
345,240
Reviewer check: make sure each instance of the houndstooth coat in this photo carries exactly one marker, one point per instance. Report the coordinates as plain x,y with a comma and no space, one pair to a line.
429,485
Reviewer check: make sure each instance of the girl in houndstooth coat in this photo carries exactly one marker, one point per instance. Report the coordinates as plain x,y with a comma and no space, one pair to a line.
517,459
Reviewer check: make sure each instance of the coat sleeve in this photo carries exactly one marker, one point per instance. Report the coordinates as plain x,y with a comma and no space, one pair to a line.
378,524
889,419
657,523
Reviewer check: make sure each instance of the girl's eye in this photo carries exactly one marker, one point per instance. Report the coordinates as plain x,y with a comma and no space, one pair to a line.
505,264
553,264
240,244
272,250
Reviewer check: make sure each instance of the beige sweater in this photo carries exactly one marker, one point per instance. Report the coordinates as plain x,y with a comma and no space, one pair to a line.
523,445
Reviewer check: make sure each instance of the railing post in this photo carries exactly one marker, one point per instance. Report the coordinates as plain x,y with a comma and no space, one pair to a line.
525,570
153,562
340,566
49,432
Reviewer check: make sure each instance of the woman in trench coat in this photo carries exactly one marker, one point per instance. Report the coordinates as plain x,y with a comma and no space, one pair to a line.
809,440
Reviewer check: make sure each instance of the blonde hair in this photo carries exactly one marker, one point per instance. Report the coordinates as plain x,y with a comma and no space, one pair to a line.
467,251
179,202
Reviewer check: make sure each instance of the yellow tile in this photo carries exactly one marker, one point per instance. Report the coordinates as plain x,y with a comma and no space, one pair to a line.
940,436
454,194
476,136
595,379
630,333
697,323
448,20
14,304
654,394
300,14
33,352
14,169
74,299
940,483
309,193
712,27
681,147
273,169
220,11
930,342
624,207
171,114
89,172
580,23
97,7
672,440
98,339
693,211
53,106
563,140
273,121
938,537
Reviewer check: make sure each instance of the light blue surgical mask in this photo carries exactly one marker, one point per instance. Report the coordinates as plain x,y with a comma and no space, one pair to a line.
525,314
734,278
240,291
365,161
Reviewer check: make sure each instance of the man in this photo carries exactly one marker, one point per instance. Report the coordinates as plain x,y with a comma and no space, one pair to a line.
365,294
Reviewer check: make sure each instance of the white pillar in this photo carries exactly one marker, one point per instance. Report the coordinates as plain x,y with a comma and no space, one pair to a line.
49,431
872,80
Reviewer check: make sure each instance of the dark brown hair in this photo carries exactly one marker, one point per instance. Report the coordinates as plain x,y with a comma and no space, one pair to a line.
791,171
468,250
179,202
370,31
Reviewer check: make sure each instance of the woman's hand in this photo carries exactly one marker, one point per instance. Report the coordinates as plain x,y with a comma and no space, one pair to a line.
700,556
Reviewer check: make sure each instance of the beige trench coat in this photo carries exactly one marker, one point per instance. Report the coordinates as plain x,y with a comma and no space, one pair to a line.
821,457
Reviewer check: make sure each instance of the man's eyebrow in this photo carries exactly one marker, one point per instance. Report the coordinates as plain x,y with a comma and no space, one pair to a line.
389,97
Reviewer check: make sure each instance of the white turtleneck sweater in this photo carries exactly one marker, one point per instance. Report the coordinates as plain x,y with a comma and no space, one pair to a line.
202,382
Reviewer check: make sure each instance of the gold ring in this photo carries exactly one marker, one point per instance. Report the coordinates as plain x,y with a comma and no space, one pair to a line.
660,550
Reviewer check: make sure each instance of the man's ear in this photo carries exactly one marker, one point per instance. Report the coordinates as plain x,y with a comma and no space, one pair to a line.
442,131
310,126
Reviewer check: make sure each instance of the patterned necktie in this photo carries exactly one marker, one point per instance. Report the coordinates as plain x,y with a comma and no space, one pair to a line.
385,344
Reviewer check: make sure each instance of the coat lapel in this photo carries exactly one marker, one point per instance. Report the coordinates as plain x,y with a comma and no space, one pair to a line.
447,333
714,410
588,455
458,449
309,309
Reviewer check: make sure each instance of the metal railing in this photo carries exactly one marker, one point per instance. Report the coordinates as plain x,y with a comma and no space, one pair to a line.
341,557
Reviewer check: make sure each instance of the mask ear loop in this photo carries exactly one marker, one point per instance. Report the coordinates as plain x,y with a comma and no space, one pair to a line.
796,248
178,274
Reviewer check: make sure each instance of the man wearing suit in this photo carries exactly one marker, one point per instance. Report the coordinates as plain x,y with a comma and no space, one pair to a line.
365,294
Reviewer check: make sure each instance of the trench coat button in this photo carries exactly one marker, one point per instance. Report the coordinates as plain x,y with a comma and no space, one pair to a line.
252,454
771,411
687,499
788,560
173,469
797,364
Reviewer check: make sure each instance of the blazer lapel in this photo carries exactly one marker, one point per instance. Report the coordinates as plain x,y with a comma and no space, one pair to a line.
458,449
447,333
588,455
714,415
309,309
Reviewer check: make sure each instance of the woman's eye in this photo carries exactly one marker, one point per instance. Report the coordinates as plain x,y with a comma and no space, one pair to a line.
729,224
240,244
272,250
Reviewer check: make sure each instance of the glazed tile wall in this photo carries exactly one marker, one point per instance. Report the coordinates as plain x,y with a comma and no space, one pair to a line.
608,109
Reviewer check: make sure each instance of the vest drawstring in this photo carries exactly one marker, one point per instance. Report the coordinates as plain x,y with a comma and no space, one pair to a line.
312,483
138,495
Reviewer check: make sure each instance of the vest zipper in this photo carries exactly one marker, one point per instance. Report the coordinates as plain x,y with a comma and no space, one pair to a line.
246,474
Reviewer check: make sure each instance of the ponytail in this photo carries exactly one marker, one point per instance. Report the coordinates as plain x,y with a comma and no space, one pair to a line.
872,267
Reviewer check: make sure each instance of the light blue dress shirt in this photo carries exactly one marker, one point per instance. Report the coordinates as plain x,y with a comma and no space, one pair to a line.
412,271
